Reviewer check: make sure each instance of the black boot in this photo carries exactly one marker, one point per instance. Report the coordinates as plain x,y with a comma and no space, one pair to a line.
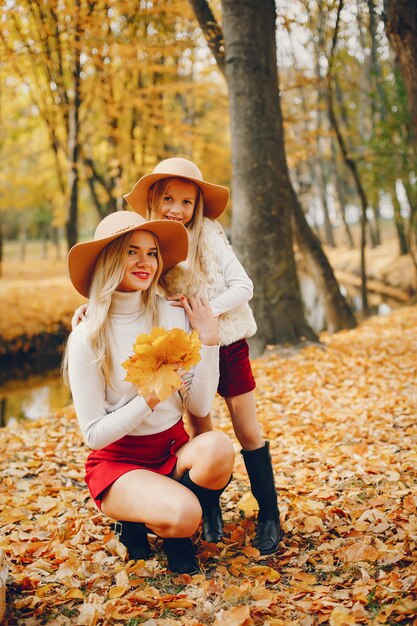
181,556
134,535
210,504
259,467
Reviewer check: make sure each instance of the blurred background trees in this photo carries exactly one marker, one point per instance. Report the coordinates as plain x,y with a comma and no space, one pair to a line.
112,87
94,93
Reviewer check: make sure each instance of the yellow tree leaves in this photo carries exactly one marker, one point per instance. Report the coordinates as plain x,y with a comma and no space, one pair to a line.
145,90
157,357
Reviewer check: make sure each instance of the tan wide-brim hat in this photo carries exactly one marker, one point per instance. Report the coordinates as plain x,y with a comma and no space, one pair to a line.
172,241
215,197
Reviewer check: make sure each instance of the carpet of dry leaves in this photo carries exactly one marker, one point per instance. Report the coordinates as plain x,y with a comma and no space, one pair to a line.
341,418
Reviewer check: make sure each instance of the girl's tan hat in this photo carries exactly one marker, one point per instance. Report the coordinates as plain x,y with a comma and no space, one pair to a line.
172,240
215,197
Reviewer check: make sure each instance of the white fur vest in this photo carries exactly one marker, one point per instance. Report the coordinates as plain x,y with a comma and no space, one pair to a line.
238,323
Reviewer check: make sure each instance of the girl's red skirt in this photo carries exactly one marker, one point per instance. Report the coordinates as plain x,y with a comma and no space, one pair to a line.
152,452
235,370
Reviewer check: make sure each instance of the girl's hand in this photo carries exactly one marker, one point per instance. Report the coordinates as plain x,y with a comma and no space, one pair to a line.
202,319
79,316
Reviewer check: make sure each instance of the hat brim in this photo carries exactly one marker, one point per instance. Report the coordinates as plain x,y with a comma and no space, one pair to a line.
172,242
215,197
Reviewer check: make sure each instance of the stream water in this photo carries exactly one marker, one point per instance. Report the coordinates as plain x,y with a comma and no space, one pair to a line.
26,396
34,397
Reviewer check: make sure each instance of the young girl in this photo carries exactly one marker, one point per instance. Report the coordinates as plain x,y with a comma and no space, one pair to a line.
175,191
142,468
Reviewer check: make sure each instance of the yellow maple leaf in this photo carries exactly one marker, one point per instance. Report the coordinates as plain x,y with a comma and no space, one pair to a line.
158,356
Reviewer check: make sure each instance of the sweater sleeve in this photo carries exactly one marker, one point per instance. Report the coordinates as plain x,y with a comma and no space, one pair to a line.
239,285
99,428
201,382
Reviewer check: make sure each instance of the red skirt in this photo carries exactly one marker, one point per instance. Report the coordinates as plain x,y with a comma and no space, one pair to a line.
235,370
152,452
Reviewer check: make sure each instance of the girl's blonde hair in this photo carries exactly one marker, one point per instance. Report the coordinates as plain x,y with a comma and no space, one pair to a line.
155,198
108,275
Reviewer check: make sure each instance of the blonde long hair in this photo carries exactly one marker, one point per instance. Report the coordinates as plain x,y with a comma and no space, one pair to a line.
156,195
108,274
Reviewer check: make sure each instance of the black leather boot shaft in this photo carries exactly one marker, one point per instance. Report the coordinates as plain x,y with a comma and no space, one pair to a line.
261,475
209,500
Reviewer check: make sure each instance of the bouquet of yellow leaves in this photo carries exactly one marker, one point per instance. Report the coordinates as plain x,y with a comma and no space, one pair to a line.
157,357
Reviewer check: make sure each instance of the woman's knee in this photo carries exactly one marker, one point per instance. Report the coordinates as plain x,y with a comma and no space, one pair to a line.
217,450
221,446
183,519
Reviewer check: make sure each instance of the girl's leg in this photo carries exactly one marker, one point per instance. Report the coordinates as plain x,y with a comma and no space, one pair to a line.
197,425
258,464
205,466
242,410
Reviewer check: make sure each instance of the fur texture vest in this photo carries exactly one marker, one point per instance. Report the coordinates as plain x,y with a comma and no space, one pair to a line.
238,323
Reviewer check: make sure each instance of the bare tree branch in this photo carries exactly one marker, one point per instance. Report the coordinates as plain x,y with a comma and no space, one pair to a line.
211,30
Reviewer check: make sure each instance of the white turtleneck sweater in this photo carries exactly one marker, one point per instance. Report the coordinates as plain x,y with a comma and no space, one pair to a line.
107,414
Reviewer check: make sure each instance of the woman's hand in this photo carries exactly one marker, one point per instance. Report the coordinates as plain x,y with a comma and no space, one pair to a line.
201,319
151,401
79,316
176,299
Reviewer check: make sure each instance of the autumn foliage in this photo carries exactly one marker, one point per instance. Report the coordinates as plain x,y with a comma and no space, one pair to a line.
158,356
341,420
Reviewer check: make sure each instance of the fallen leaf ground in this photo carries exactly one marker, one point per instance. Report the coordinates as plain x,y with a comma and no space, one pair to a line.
341,418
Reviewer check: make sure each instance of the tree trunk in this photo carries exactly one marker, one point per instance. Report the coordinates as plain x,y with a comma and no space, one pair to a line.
379,105
322,178
55,238
412,219
212,32
373,227
341,195
400,18
22,240
44,228
96,180
350,163
338,312
73,137
1,247
320,161
399,225
3,406
261,223
312,242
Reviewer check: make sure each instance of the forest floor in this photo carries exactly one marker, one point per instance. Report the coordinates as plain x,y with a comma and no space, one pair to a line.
341,418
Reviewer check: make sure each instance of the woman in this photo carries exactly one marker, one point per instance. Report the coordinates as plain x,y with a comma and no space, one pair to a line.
142,467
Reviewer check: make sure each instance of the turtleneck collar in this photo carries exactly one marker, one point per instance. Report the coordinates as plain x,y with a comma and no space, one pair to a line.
127,303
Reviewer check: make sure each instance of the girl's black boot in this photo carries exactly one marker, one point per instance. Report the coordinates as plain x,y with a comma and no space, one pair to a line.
209,500
259,467
134,535
180,555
